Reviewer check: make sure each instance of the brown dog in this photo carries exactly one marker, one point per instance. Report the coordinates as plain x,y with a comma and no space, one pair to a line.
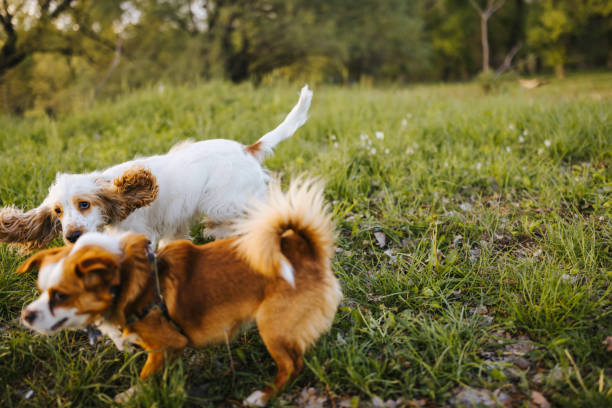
276,273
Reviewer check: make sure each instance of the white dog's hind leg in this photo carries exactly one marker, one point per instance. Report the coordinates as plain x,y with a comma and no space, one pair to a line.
218,229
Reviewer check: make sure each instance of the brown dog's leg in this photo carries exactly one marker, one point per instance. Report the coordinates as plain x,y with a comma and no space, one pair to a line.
288,360
161,339
155,361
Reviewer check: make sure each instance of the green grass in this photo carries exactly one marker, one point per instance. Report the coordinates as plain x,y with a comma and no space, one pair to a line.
494,275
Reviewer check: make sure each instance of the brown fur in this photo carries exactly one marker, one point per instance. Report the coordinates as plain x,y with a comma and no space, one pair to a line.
256,151
43,257
136,188
211,290
31,230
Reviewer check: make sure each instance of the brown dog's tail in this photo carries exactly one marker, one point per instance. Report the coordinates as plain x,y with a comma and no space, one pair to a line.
301,210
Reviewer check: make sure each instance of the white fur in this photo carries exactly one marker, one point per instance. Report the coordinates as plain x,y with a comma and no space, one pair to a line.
45,320
114,333
287,272
213,178
49,275
296,118
256,399
112,243
125,396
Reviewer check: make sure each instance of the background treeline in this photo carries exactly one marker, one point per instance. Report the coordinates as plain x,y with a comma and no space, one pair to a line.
59,55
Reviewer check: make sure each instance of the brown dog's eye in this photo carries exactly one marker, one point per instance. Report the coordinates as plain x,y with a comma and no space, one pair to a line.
83,205
58,210
58,296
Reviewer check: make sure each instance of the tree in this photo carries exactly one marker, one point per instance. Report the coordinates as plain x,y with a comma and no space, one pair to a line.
485,14
50,27
253,38
560,27
58,40
381,38
13,52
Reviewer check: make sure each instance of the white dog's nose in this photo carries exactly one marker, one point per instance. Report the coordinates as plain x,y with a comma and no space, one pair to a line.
72,236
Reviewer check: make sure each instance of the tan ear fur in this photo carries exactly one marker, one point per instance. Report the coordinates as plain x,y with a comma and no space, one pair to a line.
135,272
137,187
32,229
97,269
35,260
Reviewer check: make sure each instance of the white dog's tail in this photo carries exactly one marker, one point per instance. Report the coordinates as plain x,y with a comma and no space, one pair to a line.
300,217
296,118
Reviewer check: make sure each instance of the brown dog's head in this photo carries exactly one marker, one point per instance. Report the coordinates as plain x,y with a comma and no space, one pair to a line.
78,284
77,204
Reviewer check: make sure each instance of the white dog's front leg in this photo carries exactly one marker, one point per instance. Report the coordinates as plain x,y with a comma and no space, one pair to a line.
126,396
256,399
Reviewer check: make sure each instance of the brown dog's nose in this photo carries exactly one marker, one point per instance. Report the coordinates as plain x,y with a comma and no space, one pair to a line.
73,236
29,316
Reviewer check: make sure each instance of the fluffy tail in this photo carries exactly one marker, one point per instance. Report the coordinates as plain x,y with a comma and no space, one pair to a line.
301,210
296,118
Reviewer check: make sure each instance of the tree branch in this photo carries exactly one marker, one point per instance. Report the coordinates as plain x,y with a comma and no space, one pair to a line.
508,60
9,55
44,7
477,7
496,6
61,8
192,17
6,20
111,68
86,31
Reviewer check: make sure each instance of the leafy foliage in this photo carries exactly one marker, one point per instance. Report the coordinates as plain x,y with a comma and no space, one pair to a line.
59,56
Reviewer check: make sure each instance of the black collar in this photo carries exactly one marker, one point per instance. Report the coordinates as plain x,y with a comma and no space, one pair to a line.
94,333
159,298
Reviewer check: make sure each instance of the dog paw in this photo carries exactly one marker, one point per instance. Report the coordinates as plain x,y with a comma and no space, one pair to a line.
126,395
256,399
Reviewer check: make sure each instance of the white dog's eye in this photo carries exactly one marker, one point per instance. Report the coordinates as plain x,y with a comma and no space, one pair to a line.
58,210
83,205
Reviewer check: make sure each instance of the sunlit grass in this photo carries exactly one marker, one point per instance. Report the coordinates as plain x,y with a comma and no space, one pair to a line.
495,211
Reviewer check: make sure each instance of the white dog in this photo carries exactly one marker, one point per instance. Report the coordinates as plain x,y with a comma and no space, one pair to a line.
159,196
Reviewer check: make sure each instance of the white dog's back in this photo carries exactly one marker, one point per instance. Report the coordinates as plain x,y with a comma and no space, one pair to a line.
160,196
215,178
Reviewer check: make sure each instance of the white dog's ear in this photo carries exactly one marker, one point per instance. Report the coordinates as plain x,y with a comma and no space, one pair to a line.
32,229
135,188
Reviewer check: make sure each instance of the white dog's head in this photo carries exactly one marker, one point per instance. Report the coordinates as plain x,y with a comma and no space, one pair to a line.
79,203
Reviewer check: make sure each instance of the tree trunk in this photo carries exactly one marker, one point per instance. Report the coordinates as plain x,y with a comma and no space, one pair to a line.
10,55
559,70
484,35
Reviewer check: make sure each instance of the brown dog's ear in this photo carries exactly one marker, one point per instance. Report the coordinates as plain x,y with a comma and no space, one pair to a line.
35,260
32,229
97,270
136,188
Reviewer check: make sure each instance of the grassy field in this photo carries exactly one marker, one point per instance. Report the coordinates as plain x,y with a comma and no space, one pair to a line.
474,236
